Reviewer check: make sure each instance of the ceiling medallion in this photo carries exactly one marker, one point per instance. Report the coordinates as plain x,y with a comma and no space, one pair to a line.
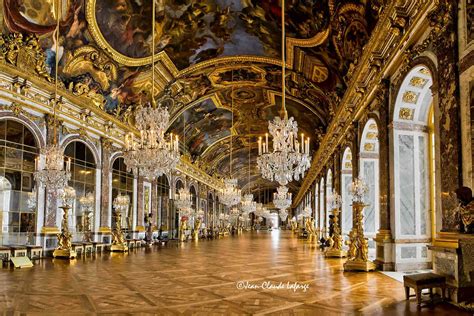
289,158
154,153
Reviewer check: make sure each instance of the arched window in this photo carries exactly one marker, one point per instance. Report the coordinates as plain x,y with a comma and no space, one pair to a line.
322,206
18,150
328,194
413,141
369,172
163,195
83,178
346,181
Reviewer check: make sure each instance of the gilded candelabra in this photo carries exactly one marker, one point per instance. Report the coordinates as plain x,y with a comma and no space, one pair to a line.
357,256
309,225
64,249
182,229
197,227
336,248
118,240
120,204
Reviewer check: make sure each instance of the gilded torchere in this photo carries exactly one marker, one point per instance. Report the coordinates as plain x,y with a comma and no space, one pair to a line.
64,249
357,256
120,204
336,248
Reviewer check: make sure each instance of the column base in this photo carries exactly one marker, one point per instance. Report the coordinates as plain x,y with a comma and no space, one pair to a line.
359,265
335,253
64,253
384,245
119,248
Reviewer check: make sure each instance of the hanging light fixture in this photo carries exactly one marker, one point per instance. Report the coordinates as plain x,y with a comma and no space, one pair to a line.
248,204
231,195
184,202
282,199
54,173
155,153
289,158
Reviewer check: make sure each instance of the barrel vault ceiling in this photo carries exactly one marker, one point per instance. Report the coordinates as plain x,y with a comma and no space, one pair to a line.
213,58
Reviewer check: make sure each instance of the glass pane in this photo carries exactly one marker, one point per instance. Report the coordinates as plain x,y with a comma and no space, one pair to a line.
369,210
14,177
14,132
14,158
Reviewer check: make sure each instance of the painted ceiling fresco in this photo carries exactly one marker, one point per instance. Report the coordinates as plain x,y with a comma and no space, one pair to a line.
211,55
201,126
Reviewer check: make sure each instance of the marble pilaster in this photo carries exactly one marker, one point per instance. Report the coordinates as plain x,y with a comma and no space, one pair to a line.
105,189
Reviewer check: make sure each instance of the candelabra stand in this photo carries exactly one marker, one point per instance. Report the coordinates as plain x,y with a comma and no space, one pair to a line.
87,237
335,251
357,256
197,226
182,229
118,239
64,249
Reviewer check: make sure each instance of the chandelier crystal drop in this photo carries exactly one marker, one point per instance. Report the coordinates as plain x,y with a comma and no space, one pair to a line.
282,199
248,204
230,195
154,153
68,195
54,174
184,201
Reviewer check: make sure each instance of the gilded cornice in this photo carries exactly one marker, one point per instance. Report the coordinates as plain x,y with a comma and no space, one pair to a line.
75,110
380,53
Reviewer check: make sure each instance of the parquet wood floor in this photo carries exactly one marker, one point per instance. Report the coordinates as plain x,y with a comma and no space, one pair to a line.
202,279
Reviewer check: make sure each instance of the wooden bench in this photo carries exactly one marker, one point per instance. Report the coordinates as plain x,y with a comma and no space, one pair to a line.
422,281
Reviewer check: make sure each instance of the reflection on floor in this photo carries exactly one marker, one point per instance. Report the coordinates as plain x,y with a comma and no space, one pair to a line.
203,279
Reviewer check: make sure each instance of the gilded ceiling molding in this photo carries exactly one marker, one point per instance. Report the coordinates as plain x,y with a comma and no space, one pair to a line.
291,43
378,54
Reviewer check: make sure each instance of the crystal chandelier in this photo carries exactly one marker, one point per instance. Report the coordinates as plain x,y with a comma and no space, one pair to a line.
334,200
200,214
248,204
358,190
53,174
154,153
282,199
121,202
259,209
87,201
68,195
184,201
289,158
283,215
231,195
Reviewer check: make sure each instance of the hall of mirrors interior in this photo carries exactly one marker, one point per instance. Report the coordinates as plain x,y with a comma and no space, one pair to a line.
321,142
